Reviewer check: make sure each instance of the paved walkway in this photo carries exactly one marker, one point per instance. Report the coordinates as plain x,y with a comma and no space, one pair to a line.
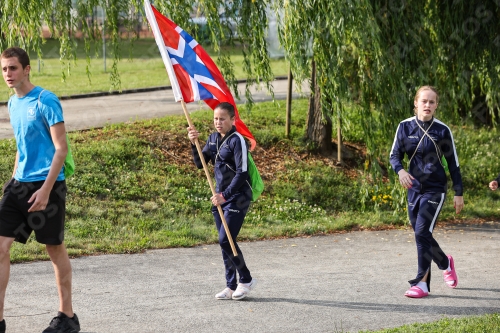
338,283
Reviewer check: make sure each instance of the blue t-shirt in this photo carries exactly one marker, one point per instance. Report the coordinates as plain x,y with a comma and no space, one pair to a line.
31,120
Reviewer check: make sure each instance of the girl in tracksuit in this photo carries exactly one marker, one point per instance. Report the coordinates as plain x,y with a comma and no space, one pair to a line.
227,150
429,145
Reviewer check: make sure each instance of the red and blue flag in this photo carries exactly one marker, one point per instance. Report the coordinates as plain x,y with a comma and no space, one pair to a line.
193,74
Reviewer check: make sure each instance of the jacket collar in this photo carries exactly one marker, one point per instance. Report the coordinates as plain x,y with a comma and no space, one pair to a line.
220,139
424,124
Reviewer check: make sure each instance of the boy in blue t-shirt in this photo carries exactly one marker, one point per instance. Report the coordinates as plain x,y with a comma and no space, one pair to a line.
34,200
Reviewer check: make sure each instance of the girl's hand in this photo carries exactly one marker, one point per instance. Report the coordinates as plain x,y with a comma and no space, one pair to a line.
405,179
458,203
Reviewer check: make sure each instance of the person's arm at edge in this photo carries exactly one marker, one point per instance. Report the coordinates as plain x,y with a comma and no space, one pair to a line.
193,135
196,157
493,185
397,153
15,164
396,160
13,172
41,197
456,176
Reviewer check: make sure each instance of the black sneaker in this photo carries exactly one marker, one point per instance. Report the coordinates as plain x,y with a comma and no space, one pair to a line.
63,324
2,326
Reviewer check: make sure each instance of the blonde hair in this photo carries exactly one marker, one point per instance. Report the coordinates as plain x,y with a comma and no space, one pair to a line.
422,88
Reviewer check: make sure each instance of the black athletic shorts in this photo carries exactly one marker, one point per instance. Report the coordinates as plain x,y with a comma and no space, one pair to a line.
16,222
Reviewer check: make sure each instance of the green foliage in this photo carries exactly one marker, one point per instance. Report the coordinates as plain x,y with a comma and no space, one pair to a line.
8,148
68,19
377,53
271,129
15,16
476,148
371,52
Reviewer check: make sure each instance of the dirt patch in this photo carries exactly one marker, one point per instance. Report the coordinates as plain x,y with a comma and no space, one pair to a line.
270,161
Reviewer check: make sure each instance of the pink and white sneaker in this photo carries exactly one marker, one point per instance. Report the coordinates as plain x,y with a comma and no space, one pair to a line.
225,294
450,277
243,289
416,292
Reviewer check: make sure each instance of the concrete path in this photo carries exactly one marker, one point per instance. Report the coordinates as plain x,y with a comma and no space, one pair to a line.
85,113
338,283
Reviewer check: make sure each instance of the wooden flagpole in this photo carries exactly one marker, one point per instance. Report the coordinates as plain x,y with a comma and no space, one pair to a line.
209,178
178,97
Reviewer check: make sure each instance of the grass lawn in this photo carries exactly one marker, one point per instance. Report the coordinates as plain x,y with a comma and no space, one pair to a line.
140,67
489,323
109,210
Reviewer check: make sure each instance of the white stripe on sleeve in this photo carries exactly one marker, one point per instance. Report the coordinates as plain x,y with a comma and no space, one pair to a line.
244,153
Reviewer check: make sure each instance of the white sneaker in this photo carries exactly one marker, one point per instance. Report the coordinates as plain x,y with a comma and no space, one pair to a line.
225,294
243,289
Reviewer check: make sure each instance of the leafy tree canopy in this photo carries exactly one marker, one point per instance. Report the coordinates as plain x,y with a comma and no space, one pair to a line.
378,52
375,53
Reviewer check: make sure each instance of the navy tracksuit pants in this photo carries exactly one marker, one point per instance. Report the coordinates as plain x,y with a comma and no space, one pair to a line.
234,213
423,211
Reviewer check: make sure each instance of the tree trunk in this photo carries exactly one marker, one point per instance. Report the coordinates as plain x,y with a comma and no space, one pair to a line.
319,126
339,141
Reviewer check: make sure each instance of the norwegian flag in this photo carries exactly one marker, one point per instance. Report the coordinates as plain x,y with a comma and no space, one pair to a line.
193,74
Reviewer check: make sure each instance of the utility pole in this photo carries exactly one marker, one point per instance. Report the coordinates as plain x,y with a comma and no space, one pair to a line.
104,37
289,103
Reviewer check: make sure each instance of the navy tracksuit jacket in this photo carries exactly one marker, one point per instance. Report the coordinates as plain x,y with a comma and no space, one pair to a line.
229,155
427,195
425,165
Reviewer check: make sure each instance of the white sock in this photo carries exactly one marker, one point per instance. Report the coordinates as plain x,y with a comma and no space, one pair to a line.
423,286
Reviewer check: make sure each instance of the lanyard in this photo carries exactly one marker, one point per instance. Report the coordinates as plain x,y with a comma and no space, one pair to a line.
438,151
218,147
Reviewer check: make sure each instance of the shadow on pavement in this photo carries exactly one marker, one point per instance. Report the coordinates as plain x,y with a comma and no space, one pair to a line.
446,310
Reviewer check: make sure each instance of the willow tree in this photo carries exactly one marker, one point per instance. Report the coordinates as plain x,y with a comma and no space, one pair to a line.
22,21
369,53
251,19
375,53
21,24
